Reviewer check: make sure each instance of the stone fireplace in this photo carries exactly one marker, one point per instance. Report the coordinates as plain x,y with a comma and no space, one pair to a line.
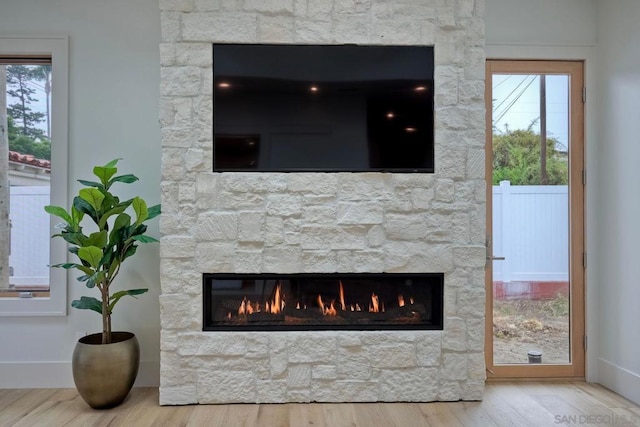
275,226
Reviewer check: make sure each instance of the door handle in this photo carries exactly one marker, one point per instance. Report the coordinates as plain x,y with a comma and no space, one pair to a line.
489,256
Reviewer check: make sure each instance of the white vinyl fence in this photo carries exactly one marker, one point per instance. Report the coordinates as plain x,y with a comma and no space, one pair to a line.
30,235
531,230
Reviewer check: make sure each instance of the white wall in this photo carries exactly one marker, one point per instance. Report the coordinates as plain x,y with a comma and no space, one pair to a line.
541,22
618,199
114,80
564,30
568,30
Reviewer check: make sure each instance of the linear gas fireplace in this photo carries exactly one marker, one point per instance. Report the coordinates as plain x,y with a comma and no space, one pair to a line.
261,302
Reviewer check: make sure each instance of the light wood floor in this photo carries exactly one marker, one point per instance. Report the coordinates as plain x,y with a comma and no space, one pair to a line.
504,404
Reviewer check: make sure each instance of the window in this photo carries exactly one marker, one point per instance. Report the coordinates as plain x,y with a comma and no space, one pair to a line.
34,86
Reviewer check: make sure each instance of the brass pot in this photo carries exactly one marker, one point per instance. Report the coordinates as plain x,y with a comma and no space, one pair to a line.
104,373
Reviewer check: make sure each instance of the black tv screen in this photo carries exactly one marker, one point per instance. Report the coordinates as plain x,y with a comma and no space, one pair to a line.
324,108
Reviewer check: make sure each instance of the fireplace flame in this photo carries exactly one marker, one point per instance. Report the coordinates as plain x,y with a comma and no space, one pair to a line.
374,306
320,303
331,311
327,310
277,303
275,306
342,304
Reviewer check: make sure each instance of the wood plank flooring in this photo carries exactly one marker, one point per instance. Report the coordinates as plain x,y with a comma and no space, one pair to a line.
505,404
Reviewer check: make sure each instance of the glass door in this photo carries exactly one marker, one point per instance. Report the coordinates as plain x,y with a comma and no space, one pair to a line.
535,243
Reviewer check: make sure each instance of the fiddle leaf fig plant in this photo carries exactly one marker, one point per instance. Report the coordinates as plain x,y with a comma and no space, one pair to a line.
113,238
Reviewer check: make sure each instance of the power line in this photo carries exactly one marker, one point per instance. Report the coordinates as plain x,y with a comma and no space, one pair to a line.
512,92
499,84
508,107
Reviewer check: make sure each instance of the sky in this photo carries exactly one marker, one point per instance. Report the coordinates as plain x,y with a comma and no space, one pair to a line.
516,103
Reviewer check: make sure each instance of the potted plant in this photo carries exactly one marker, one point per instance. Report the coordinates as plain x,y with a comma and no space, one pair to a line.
105,364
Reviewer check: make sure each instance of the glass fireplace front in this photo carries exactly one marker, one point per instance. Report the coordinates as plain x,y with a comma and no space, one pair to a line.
262,302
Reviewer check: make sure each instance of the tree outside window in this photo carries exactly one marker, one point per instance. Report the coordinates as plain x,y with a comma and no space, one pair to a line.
25,117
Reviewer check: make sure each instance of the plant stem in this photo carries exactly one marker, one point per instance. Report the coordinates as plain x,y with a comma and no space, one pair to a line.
106,316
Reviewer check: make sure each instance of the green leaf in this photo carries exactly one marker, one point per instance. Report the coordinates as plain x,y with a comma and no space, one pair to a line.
66,265
131,292
75,238
88,303
115,211
85,208
136,230
91,184
140,208
123,220
108,202
86,270
96,277
145,239
132,250
107,257
113,162
154,211
59,212
128,179
76,215
93,197
114,266
104,173
98,239
91,255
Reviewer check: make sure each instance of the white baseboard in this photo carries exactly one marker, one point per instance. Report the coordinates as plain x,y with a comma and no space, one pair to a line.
58,375
620,380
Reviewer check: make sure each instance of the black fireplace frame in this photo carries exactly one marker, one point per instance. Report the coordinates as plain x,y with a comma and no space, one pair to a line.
436,323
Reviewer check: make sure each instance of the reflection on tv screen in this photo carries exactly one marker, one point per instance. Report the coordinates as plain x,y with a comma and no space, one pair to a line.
323,108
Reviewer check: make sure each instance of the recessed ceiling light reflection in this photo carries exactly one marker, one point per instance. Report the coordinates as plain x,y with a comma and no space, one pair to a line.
420,88
410,129
224,85
390,115
313,88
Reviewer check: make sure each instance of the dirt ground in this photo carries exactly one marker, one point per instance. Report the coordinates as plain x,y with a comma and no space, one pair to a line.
523,325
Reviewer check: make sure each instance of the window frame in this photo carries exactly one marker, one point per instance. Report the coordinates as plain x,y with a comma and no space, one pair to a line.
58,48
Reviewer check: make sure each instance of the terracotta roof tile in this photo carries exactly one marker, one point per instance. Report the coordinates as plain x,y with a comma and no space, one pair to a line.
29,159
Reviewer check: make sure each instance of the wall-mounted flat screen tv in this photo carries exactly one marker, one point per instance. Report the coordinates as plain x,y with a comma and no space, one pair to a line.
313,108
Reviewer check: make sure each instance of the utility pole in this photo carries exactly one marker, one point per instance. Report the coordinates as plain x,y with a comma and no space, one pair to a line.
543,130
5,232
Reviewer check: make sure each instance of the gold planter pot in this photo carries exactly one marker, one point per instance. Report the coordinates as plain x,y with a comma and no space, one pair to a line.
104,373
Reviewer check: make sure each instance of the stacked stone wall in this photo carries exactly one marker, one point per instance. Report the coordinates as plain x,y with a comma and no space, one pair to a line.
321,222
